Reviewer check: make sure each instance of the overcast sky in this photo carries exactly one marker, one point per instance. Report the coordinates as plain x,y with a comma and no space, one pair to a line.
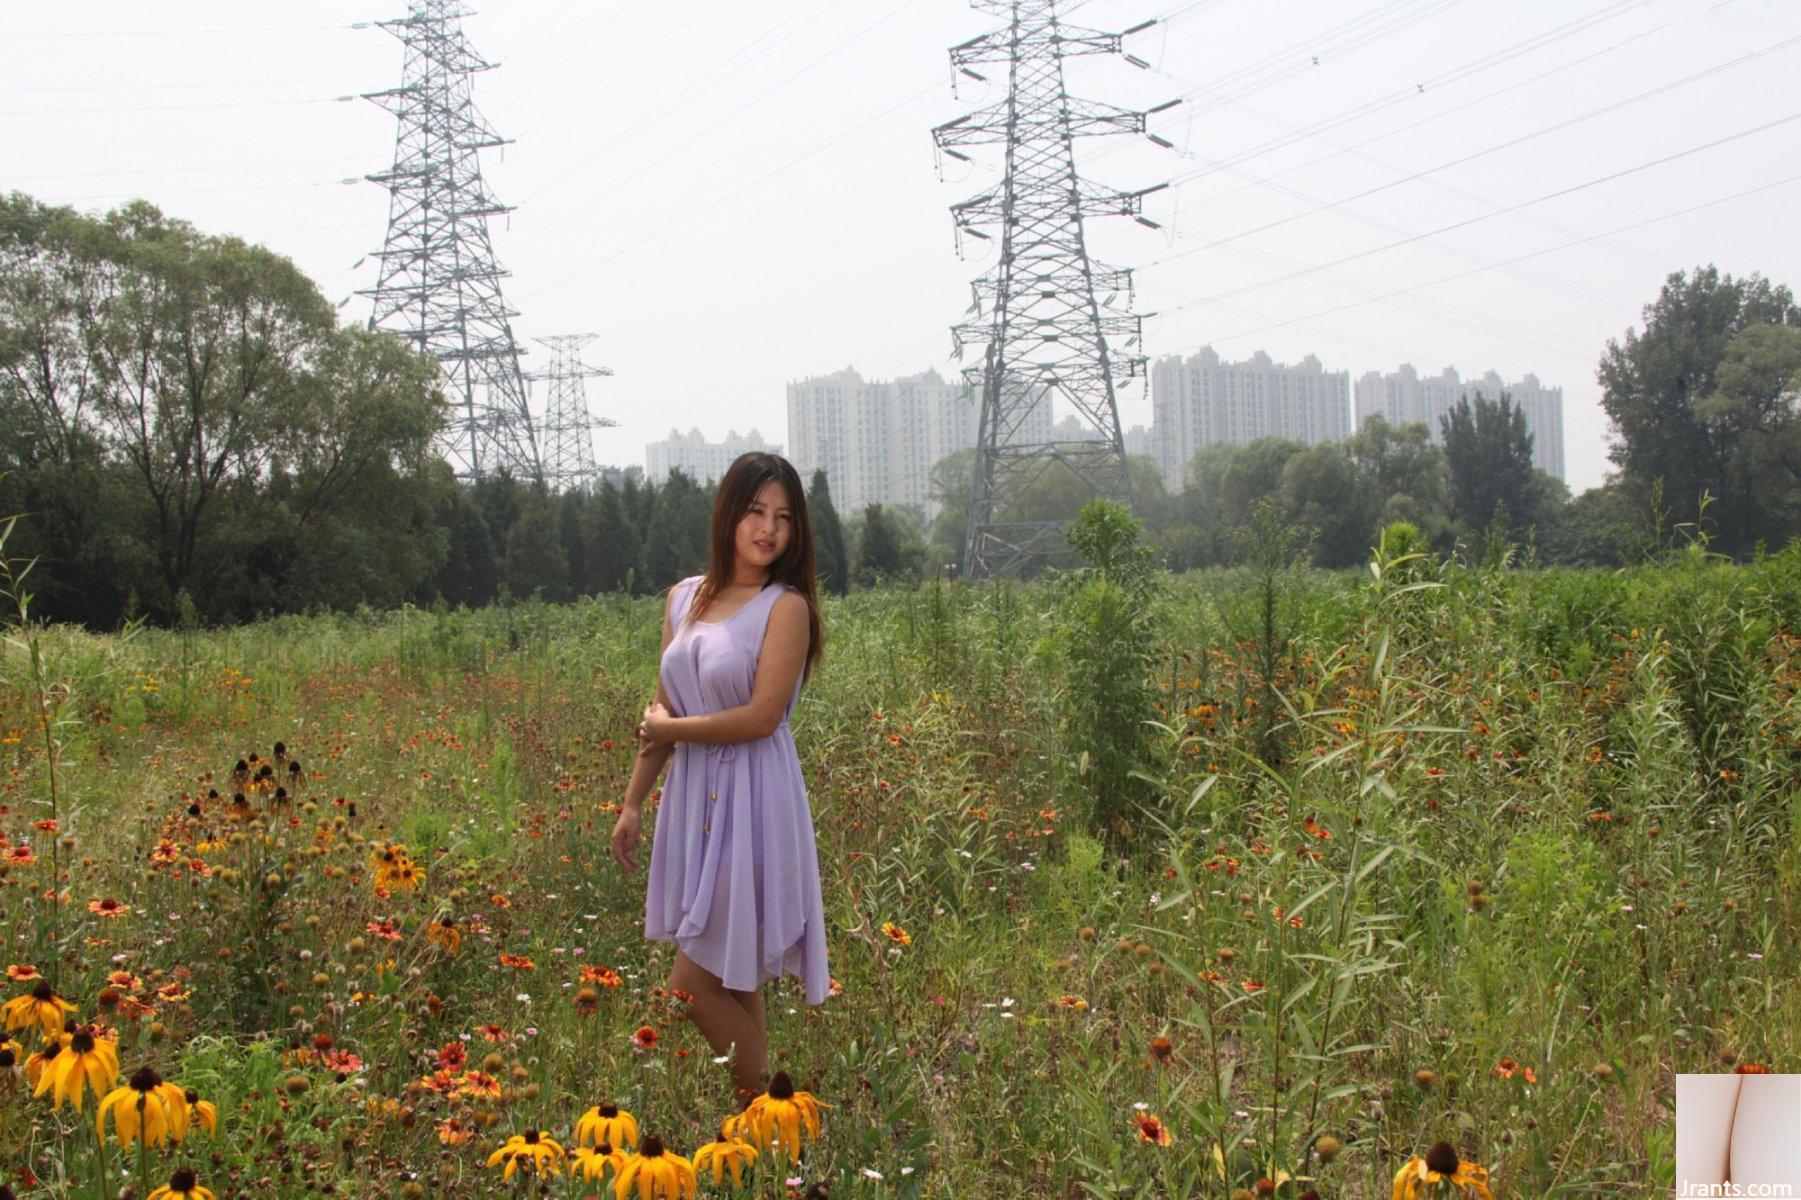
734,194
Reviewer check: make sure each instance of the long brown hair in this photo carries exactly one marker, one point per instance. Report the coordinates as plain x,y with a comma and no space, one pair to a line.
737,489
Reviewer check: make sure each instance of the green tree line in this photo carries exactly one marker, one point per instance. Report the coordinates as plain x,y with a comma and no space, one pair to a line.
183,413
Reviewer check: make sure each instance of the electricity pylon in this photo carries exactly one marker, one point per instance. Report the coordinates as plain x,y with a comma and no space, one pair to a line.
439,282
566,427
1051,320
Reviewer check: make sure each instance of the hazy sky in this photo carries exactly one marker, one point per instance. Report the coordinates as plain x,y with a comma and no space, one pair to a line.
733,194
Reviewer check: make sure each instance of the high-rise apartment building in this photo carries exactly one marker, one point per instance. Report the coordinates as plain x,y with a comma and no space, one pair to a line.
701,460
1200,400
1074,428
1404,396
878,441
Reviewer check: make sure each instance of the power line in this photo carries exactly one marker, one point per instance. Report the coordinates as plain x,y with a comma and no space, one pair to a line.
603,80
712,79
1614,232
1327,206
1475,66
548,72
248,31
140,108
1608,178
739,111
718,200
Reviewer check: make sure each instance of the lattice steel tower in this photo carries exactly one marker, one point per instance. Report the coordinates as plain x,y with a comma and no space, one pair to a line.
1053,322
439,283
565,429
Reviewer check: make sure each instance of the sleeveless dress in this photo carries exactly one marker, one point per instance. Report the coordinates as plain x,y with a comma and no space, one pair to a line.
734,870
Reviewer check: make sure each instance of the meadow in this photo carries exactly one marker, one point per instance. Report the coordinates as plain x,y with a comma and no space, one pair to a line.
1460,853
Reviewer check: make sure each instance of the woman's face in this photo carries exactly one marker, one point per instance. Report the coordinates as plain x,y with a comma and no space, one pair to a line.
766,527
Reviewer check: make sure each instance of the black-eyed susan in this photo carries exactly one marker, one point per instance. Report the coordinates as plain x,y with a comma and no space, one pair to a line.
40,1060
658,1174
544,1156
203,1113
145,1109
86,1061
183,1185
727,1153
444,934
1417,1179
597,1164
781,1116
606,1123
40,1008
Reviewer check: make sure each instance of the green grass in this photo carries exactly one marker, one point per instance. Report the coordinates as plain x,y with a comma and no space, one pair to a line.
1562,813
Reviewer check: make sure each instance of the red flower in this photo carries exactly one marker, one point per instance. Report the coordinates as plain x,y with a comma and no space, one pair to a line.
644,1038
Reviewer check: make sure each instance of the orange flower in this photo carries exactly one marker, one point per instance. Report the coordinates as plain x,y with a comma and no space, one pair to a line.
1750,1069
644,1038
519,961
896,934
478,1083
604,976
1315,828
1507,1068
19,973
453,1132
1151,1129
107,908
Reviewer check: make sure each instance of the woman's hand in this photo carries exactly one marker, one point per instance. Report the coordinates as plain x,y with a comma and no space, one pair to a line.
653,730
625,839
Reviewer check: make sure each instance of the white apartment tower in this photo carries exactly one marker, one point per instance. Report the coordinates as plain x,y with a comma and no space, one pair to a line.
1403,397
878,441
698,458
1200,400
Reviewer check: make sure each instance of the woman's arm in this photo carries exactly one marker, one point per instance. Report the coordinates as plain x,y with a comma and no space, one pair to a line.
779,664
1704,1110
647,766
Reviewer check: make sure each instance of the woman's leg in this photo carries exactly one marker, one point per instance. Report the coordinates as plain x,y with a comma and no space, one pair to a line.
754,1077
723,1021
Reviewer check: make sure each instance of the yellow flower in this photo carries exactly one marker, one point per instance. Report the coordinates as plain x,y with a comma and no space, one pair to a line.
1440,1165
606,1123
727,1152
41,1007
84,1061
146,1110
782,1113
896,934
183,1185
596,1161
544,1155
657,1174
201,1112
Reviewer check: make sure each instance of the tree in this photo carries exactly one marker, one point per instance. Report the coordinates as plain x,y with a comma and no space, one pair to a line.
187,415
879,556
1752,416
1488,451
830,562
1656,388
617,544
534,560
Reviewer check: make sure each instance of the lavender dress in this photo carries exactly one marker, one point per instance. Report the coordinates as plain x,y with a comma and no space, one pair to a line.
734,872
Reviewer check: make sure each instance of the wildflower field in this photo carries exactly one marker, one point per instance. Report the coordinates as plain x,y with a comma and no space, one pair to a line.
1423,854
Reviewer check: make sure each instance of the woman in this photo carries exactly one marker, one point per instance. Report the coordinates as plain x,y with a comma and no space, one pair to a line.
734,872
